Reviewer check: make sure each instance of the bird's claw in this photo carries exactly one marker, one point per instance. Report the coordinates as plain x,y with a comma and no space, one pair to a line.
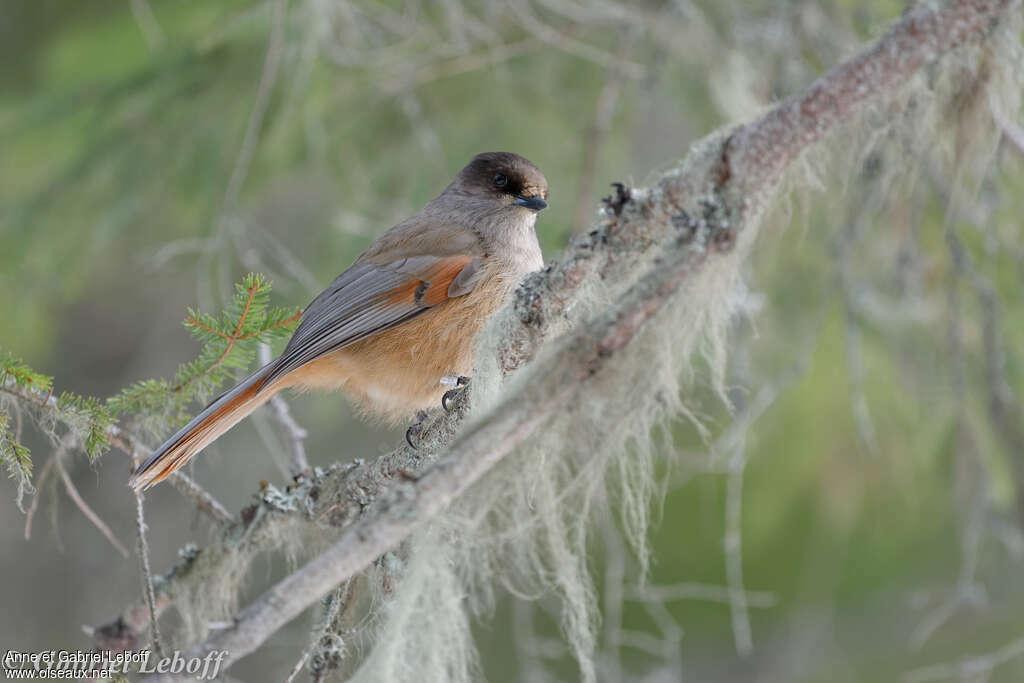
414,429
460,385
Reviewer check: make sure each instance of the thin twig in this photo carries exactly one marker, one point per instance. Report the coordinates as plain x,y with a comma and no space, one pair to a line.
671,635
970,668
967,590
327,647
572,46
850,291
614,591
73,493
148,25
734,553
697,591
1004,407
132,446
455,66
597,134
297,669
733,441
43,476
1011,131
294,434
268,78
147,574
188,487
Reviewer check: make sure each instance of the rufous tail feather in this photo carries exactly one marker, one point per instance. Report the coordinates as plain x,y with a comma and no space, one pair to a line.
218,417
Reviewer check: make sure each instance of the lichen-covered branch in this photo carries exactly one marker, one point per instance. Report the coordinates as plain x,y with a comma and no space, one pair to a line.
757,154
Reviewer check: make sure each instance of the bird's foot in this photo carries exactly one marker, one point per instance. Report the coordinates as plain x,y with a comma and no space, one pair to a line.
413,432
459,383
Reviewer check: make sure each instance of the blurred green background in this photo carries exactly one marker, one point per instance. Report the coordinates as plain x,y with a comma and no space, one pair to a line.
151,153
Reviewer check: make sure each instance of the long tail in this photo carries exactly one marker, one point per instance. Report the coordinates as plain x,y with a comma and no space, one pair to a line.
218,417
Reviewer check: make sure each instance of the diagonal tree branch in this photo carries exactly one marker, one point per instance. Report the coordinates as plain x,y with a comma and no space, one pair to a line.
758,153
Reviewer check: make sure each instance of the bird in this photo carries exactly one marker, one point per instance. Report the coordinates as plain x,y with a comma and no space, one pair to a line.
397,329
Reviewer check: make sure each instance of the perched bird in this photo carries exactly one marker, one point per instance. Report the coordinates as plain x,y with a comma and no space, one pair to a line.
395,329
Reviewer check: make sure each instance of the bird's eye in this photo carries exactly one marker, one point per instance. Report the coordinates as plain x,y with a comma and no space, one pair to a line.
500,180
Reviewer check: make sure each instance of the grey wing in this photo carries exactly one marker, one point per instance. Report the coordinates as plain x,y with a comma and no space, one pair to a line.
369,298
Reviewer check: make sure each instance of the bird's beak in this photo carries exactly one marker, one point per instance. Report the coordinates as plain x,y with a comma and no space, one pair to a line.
534,203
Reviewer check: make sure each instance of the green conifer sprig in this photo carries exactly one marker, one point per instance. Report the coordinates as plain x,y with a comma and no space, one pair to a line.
15,369
90,419
230,342
86,417
16,458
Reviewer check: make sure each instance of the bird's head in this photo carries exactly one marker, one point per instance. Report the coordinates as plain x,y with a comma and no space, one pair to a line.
505,179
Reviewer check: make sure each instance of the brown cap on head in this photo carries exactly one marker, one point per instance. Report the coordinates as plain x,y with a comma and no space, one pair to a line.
504,175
